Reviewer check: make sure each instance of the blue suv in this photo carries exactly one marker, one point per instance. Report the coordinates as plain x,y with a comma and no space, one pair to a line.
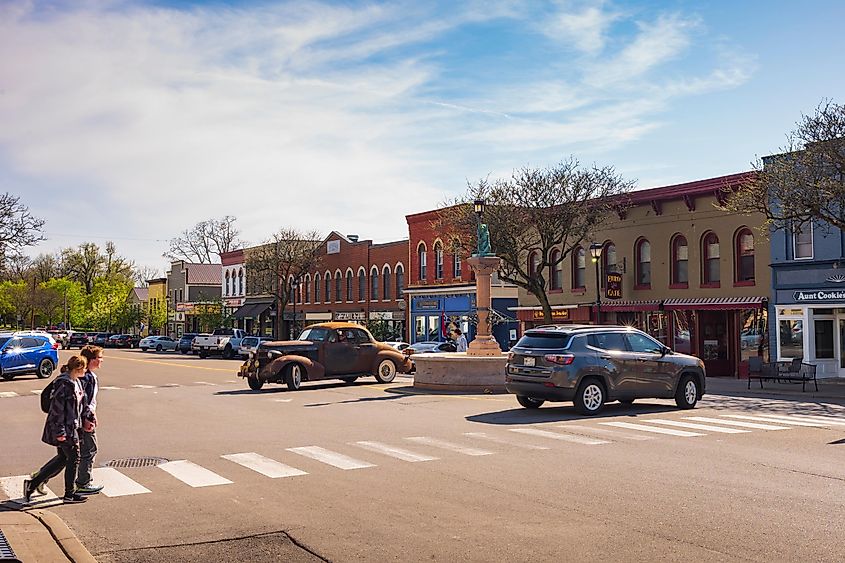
27,354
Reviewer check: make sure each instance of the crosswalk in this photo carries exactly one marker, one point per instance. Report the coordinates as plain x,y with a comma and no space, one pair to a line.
301,461
14,394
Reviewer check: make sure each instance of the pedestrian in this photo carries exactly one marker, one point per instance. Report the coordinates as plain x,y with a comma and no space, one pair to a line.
460,340
87,433
62,431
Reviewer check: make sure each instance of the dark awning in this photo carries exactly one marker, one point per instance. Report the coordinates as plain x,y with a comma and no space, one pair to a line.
251,310
715,303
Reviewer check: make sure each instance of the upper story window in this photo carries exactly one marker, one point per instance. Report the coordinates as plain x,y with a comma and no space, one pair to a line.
338,287
802,241
579,268
240,281
456,259
349,285
400,280
438,261
642,252
744,256
556,268
608,261
316,288
421,255
710,271
385,283
362,285
228,284
328,293
533,263
374,285
306,287
680,260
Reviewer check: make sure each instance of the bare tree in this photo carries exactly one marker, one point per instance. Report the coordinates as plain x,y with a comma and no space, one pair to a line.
806,181
287,255
18,228
46,267
205,241
16,267
84,264
535,212
143,274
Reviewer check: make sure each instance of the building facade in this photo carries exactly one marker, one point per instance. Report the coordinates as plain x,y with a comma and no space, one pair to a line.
676,266
157,306
138,300
188,287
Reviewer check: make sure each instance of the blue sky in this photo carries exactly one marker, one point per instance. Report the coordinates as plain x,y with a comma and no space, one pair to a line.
131,121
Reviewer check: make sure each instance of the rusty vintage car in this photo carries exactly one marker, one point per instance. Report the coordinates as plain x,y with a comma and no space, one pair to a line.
336,350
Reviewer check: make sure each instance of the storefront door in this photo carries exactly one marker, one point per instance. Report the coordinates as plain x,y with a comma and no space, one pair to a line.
716,342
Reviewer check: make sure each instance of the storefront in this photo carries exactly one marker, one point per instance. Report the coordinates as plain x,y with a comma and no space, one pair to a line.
810,324
434,316
256,316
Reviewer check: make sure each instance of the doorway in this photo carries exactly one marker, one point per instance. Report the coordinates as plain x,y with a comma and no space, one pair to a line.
716,342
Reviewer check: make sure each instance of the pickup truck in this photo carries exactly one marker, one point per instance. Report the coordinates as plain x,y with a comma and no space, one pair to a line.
223,342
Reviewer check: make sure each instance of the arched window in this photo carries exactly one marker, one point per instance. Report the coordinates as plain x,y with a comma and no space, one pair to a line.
556,270
349,285
642,251
328,288
374,285
456,259
533,263
338,287
438,261
579,268
362,284
385,282
744,256
316,288
228,284
292,297
400,281
710,274
680,260
421,255
240,281
306,286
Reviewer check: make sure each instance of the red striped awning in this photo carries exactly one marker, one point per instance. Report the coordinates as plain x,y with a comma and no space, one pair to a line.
629,306
715,303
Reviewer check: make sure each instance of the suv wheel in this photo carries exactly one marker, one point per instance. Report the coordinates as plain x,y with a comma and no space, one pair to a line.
293,378
45,369
590,397
529,402
688,392
7,376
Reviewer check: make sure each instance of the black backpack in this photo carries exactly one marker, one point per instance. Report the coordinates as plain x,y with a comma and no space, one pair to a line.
47,396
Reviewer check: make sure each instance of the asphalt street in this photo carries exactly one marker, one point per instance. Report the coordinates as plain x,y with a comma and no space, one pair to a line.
371,472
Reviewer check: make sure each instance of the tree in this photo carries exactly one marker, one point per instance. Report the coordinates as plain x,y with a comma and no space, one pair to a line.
106,303
87,263
287,255
16,267
46,267
536,211
205,241
143,274
211,314
18,228
806,181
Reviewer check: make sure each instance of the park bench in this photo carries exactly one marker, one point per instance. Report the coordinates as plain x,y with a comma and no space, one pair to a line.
794,370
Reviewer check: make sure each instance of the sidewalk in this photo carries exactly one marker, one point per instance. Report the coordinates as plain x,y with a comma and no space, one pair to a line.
829,389
39,536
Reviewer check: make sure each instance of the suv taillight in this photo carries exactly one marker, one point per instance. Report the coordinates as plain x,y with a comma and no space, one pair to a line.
561,359
55,345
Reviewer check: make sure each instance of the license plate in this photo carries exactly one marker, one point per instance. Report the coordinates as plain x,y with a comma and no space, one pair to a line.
528,362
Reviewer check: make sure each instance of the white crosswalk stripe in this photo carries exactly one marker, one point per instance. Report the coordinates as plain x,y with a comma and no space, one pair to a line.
37,391
392,451
826,421
171,385
604,432
108,388
497,440
115,483
451,446
143,386
767,419
192,474
264,465
697,426
752,425
331,458
205,383
558,436
653,429
7,394
12,487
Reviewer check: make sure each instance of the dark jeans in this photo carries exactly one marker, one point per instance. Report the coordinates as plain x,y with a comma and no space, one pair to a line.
87,451
67,458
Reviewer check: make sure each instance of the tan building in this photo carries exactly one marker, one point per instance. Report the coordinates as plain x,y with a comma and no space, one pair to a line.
676,266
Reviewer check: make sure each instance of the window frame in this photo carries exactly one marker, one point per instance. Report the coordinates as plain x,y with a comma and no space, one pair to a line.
706,281
738,282
577,253
795,242
422,261
555,268
674,262
438,260
638,264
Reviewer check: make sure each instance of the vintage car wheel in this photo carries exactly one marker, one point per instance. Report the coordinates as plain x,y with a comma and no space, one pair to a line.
293,378
254,383
349,379
386,371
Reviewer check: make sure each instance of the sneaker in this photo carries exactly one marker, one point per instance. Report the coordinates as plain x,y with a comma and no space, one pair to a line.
73,499
27,490
40,489
89,489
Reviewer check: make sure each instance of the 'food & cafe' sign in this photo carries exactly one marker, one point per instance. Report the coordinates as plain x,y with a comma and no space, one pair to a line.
613,286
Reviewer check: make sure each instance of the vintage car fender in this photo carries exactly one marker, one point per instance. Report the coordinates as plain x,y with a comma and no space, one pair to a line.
313,370
403,363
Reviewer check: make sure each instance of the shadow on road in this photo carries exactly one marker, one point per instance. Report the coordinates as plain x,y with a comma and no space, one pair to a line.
281,388
564,411
358,400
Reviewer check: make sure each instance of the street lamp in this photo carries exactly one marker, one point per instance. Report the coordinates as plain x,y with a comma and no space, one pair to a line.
295,286
478,206
595,252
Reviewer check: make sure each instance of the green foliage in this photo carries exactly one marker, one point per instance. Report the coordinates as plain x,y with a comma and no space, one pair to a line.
211,315
107,305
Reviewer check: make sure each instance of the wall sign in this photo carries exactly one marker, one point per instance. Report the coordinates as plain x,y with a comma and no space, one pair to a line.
557,315
818,295
427,304
613,286
350,316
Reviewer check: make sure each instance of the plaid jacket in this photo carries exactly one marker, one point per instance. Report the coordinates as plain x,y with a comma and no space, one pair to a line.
65,413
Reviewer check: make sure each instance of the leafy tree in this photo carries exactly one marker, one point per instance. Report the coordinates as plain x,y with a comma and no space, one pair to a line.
536,210
211,315
157,318
87,263
106,303
72,295
205,241
18,228
806,181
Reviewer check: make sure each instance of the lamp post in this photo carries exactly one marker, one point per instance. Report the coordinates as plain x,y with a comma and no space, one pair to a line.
295,286
595,252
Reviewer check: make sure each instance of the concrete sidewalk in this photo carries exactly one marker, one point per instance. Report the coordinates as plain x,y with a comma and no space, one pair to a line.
39,536
829,389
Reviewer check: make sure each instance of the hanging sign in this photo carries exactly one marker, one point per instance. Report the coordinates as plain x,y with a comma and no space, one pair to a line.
613,286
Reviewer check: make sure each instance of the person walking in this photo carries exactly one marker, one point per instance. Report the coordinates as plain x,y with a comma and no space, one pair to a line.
460,340
87,433
62,431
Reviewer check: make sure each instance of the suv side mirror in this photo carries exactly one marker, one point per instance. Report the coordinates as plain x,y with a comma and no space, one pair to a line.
665,350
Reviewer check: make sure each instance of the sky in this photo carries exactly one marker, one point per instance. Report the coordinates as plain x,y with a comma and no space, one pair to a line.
131,121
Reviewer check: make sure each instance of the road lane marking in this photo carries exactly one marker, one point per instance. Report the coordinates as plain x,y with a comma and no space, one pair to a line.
696,426
282,400
205,383
811,418
192,474
171,385
143,386
557,436
331,458
101,387
605,432
752,425
264,465
116,484
767,419
442,444
497,440
654,429
393,451
37,391
171,364
13,488
7,394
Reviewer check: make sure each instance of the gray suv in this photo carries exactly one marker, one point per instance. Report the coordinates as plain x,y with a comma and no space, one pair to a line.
590,365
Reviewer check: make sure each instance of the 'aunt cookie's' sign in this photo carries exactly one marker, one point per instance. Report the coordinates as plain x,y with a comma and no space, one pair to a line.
818,295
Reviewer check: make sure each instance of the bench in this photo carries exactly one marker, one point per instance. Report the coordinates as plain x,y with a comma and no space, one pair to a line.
794,370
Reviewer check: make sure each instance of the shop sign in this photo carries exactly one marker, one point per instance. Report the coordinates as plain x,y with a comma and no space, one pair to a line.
819,295
350,316
613,286
381,316
398,316
427,304
557,315
234,301
185,307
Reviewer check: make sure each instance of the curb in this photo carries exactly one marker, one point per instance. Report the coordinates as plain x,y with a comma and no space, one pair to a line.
64,537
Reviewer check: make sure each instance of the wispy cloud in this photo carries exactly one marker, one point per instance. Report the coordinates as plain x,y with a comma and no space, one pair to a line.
585,28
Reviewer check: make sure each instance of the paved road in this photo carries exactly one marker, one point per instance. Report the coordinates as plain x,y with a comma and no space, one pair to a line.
376,473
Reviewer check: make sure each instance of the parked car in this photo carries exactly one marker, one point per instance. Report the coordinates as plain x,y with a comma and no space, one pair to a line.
101,339
123,341
222,342
157,343
431,347
591,365
185,342
78,340
60,336
249,344
324,351
399,345
41,333
27,354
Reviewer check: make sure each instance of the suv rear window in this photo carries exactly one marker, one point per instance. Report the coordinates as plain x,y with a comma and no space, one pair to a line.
545,340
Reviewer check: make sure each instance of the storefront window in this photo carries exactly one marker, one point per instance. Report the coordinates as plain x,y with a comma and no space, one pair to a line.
791,333
419,329
752,333
823,331
656,326
683,323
